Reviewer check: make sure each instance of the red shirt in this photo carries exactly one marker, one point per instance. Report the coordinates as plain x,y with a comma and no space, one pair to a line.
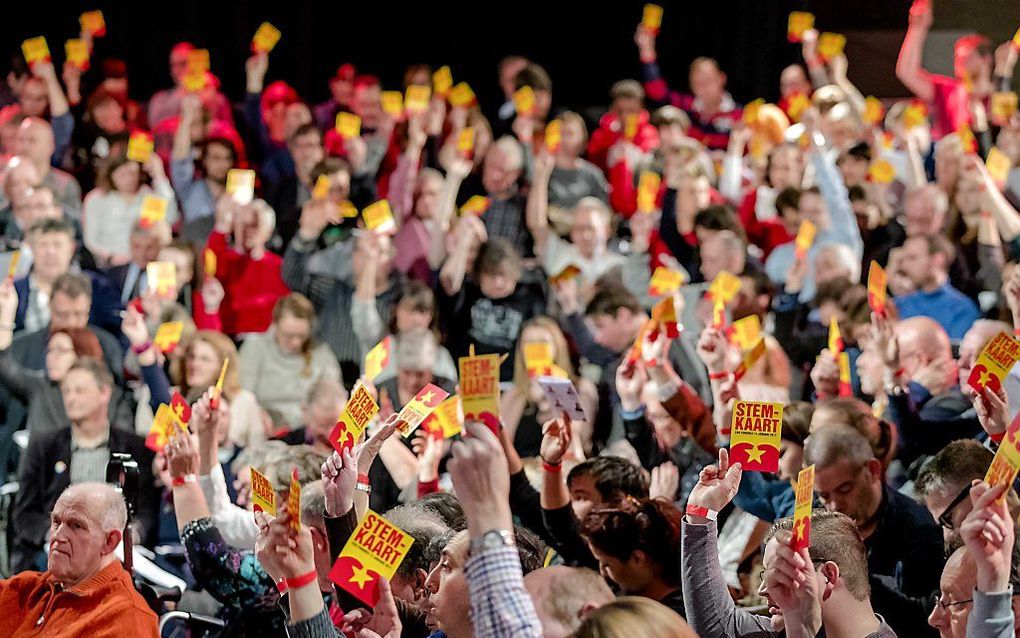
763,234
251,287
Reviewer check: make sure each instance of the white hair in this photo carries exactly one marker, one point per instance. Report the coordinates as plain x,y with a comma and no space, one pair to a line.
105,504
510,147
845,257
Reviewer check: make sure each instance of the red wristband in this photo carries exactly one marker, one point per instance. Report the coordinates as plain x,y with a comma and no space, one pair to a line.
552,468
301,581
718,376
997,437
177,481
1017,332
363,478
281,585
142,347
703,512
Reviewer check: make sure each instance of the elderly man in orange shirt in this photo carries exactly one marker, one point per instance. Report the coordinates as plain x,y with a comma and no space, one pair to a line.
85,590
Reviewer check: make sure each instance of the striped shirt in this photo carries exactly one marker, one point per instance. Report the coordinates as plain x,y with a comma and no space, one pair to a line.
88,464
500,606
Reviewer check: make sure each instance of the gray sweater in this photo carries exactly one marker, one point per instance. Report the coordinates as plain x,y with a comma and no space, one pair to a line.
710,609
992,615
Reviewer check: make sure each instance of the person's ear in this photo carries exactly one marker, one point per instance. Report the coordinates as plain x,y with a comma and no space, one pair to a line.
113,538
638,559
586,610
319,540
420,575
830,571
875,469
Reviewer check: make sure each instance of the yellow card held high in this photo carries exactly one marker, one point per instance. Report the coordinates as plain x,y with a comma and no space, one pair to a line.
993,364
294,502
804,495
442,81
140,146
153,210
372,553
664,281
746,332
379,217
361,408
265,38
377,358
799,22
479,388
263,496
420,407
755,434
168,335
877,283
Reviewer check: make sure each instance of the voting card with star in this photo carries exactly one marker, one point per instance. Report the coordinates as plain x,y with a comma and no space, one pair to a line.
418,408
263,496
359,411
479,388
755,435
804,495
563,397
1006,463
994,363
372,553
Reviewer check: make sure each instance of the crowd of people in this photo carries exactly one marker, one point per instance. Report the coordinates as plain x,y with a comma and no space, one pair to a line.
388,232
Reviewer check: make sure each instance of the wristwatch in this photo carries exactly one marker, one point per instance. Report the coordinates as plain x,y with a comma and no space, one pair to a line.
491,540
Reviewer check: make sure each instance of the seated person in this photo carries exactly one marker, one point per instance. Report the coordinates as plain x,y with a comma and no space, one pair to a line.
565,596
85,528
77,453
926,260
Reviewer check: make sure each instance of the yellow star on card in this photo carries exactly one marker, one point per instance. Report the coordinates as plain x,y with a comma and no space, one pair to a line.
754,454
428,397
360,576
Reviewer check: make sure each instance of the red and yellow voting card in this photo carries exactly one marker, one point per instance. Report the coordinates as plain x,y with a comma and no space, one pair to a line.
379,217
751,111
835,336
993,364
265,38
1006,463
181,411
447,420
12,266
804,495
845,386
751,357
164,424
198,61
294,502
241,185
718,314
418,408
755,434
796,105
161,279
873,111
877,283
361,408
209,263
348,125
651,18
377,358
998,165
77,52
1004,106
416,99
745,333
569,272
373,552
392,103
35,50
263,496
798,23
321,188
915,115
805,238
479,388
831,45
140,146
168,335
462,96
348,210
664,315
466,141
442,81
881,171
553,135
476,206
524,101
538,358
648,191
195,82
664,282
92,22
724,287
153,210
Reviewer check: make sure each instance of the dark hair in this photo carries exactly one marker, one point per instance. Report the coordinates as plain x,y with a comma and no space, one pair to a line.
835,537
48,225
614,477
720,217
789,197
797,421
530,549
856,193
420,298
859,151
330,165
650,525
203,147
939,244
447,506
73,285
96,368
831,291
610,298
423,525
954,467
534,76
497,256
305,129
104,179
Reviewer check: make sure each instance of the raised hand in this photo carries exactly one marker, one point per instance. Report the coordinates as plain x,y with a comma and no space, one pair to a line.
792,584
369,450
133,326
630,378
825,374
921,14
383,623
482,480
712,348
428,446
645,41
556,437
182,454
339,476
988,534
664,481
717,485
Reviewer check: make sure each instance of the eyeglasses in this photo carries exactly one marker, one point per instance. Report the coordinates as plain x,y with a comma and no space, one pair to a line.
946,605
814,561
946,517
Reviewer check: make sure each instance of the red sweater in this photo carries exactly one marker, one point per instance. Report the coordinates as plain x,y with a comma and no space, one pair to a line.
251,287
764,234
104,606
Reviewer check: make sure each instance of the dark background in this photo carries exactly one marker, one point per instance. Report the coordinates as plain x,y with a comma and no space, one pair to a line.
585,46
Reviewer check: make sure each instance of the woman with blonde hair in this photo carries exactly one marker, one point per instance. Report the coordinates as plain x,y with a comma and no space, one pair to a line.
524,407
634,616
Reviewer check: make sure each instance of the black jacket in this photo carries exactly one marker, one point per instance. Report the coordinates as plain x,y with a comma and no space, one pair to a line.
45,472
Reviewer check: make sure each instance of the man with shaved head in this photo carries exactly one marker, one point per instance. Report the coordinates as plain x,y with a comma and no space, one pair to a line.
35,143
565,596
85,590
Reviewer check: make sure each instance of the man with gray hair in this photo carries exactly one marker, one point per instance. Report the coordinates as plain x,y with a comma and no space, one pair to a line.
504,164
565,596
85,591
905,551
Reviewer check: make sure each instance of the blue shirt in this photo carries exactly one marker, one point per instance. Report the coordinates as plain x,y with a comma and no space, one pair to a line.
954,311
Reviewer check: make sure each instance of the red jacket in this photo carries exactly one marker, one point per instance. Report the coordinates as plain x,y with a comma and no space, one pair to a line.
104,606
763,234
251,287
610,131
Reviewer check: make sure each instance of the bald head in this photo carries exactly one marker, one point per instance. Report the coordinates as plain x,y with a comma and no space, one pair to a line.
35,141
564,596
922,335
103,503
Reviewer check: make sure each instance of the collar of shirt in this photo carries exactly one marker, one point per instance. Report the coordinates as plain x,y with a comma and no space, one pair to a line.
76,443
726,105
